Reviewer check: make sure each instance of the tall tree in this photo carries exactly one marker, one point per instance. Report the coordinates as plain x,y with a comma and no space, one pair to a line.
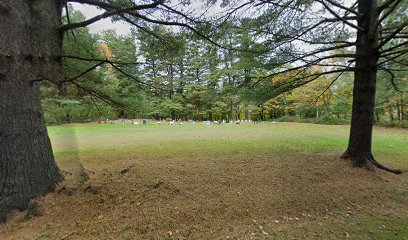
366,34
31,51
30,47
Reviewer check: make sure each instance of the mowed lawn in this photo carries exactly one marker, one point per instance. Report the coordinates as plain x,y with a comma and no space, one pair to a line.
248,181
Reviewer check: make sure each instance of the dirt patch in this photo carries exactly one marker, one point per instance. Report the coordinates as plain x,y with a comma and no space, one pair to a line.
211,198
232,182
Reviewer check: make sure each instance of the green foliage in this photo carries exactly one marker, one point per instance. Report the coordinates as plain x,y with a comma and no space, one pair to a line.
161,72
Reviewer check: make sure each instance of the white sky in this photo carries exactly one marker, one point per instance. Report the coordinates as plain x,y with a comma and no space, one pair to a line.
121,28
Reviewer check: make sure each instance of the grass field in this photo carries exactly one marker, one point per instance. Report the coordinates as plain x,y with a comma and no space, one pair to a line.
249,181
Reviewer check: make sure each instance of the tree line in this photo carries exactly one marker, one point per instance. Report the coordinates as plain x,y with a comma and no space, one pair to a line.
185,77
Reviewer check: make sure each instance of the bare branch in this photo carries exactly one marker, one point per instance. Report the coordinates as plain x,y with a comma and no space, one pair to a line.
403,51
351,10
344,20
102,60
130,76
85,72
112,63
392,75
325,90
392,35
386,5
97,94
388,12
180,13
97,3
171,23
303,67
109,14
394,47
390,59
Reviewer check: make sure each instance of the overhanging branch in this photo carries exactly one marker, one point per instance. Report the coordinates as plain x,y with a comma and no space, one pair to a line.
110,13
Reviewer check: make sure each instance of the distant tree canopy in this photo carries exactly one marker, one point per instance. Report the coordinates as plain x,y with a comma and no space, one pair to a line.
159,70
246,55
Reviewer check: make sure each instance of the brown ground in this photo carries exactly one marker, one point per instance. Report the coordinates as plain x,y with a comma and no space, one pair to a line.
208,199
257,196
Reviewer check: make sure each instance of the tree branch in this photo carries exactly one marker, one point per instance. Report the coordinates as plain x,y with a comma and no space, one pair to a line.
388,12
386,5
391,79
394,47
392,35
85,72
344,20
327,88
97,94
351,10
402,50
390,59
109,14
130,76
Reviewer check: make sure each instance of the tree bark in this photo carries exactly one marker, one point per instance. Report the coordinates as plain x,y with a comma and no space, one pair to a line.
30,40
391,112
365,77
232,114
238,112
398,111
171,80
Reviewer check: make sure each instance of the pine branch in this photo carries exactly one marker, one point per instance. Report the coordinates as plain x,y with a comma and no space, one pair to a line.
110,13
343,19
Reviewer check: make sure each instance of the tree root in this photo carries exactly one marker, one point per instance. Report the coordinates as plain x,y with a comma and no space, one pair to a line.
380,166
371,160
345,155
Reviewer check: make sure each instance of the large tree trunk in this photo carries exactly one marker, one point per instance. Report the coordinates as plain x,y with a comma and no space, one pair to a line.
29,43
365,76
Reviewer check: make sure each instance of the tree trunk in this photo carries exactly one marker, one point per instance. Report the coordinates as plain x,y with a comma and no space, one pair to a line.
365,77
180,89
171,80
391,112
398,111
29,43
238,110
232,114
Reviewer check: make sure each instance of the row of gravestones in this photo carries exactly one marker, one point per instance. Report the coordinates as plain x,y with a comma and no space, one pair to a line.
173,122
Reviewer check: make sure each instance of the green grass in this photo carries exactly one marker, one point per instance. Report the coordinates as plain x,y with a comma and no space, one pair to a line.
248,181
227,143
388,144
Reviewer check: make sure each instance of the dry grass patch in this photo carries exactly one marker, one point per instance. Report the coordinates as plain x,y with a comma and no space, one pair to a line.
242,186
